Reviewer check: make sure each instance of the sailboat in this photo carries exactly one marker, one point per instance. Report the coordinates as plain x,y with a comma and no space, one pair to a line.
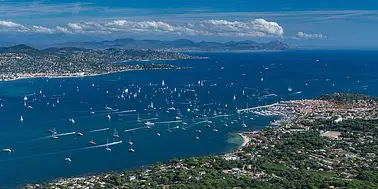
130,142
107,146
115,133
25,98
197,136
158,134
21,119
108,117
183,128
243,124
184,123
225,123
169,130
289,89
53,134
91,142
214,129
138,118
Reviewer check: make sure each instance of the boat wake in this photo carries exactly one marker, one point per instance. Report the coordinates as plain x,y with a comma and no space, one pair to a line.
63,151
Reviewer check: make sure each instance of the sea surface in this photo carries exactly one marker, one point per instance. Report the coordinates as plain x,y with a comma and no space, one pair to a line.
213,87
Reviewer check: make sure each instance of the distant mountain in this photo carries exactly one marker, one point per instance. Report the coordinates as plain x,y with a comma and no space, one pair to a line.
178,45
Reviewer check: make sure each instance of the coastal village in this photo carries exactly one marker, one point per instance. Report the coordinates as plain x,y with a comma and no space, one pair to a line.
328,142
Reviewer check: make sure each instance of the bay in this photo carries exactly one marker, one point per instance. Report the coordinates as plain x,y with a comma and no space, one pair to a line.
230,81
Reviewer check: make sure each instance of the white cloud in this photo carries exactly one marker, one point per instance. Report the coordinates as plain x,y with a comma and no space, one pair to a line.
41,29
254,28
8,26
310,36
62,30
75,26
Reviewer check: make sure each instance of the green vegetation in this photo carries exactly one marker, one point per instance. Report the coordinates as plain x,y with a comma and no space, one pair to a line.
344,98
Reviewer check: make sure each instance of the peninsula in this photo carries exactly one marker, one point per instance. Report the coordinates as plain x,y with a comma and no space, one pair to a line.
22,61
328,142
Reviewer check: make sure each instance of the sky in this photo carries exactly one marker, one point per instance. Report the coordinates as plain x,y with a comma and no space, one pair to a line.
306,24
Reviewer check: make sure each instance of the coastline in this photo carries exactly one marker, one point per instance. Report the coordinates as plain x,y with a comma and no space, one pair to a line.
246,140
76,75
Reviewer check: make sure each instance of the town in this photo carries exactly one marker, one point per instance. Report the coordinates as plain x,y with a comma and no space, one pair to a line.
22,61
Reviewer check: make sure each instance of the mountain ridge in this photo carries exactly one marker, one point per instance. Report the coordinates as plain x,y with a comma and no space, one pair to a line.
179,44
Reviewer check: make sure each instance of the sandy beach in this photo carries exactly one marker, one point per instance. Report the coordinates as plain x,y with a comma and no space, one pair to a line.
245,140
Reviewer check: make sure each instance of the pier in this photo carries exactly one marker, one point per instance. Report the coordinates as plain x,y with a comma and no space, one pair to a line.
255,108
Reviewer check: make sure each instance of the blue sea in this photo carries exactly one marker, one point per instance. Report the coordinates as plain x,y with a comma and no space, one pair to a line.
212,87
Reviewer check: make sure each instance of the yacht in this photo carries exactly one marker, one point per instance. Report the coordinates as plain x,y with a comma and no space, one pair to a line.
21,119
25,98
131,150
108,117
67,159
71,120
158,134
79,134
149,124
91,142
115,133
7,150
